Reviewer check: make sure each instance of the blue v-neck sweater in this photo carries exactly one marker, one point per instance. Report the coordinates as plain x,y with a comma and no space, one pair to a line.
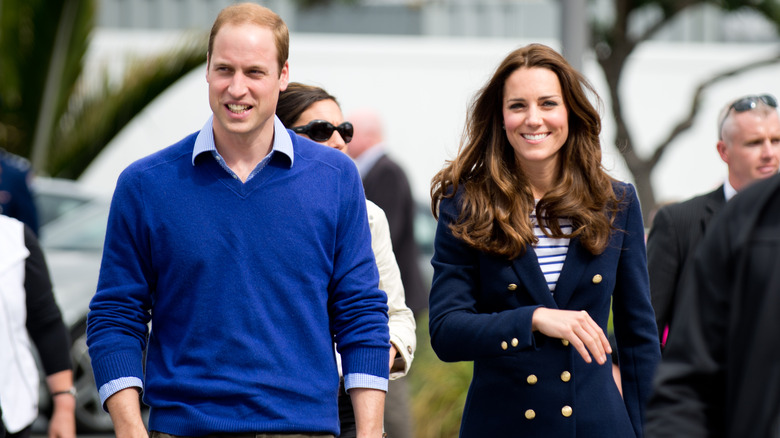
247,286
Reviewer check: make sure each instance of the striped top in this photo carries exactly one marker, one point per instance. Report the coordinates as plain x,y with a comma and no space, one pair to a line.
550,252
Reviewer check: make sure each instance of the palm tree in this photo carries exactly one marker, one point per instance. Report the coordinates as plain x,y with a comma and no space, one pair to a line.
48,111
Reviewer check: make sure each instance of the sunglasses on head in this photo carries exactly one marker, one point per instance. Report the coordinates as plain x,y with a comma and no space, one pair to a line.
748,103
320,130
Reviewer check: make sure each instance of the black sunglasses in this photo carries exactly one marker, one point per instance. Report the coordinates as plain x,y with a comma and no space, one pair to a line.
320,130
748,103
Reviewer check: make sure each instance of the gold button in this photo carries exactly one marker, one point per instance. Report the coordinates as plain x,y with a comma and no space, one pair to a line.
565,376
532,379
565,342
512,286
504,345
530,414
566,411
515,342
409,349
597,279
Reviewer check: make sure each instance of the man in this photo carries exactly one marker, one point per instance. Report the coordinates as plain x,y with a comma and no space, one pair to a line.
248,250
749,144
16,200
719,376
386,185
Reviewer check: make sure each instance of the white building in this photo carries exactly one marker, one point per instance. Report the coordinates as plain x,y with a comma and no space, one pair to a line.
423,84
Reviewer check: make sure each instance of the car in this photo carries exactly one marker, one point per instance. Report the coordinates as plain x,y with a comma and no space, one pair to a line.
56,196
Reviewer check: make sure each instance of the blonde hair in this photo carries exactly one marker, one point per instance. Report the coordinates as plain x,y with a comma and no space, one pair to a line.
242,13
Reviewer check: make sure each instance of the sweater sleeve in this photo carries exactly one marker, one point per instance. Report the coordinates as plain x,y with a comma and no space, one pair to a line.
120,309
44,320
358,308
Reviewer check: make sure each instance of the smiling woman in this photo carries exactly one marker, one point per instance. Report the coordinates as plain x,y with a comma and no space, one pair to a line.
534,243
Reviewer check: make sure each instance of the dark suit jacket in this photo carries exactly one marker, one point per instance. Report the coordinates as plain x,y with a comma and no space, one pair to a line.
720,375
386,185
676,232
481,309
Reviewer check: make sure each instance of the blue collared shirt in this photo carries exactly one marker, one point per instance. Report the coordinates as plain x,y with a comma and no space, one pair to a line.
205,143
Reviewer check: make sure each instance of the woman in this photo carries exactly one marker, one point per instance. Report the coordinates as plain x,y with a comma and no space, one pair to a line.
312,112
29,316
534,242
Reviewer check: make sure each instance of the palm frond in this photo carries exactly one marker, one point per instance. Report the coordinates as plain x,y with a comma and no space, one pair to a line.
96,117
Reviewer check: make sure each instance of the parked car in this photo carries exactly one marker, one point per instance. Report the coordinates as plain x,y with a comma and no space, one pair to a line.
56,196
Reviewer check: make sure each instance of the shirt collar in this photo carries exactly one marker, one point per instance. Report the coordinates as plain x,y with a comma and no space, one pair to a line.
367,159
204,142
728,190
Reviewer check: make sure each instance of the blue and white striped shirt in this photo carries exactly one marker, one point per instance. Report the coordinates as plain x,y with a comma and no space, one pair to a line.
550,252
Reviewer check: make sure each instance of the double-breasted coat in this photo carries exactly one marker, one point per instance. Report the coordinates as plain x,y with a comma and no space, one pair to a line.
526,384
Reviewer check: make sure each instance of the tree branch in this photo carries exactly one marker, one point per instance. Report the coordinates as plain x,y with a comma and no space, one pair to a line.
686,123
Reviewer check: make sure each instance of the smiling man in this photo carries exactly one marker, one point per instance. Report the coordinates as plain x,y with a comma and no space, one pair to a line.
248,250
749,144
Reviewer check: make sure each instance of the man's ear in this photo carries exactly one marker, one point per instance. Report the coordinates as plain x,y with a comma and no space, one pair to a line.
723,151
284,77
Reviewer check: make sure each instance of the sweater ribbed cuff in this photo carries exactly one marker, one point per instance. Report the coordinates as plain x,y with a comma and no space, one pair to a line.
366,360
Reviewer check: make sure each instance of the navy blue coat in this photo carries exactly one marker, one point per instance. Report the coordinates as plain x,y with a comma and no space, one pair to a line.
526,384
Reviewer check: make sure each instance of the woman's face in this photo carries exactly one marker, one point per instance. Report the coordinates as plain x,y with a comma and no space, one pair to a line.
329,111
535,117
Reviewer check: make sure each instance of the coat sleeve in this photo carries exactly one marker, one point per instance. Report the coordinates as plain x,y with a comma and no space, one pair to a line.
663,264
460,330
633,316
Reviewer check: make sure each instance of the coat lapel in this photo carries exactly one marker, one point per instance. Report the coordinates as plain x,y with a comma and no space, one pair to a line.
715,201
530,274
577,258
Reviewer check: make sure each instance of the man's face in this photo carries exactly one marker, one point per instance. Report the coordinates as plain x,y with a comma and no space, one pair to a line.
244,82
751,147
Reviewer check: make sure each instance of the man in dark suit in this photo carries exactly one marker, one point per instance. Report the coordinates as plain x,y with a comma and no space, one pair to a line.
719,376
386,185
749,143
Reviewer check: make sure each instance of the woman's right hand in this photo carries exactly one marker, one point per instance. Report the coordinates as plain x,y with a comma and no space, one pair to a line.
575,326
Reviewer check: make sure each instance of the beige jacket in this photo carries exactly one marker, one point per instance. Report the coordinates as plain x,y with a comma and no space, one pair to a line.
401,318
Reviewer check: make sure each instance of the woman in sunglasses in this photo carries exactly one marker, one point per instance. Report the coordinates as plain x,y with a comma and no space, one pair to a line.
535,241
311,112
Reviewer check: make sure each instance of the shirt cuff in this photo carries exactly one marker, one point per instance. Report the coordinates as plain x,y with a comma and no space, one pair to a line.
116,385
360,380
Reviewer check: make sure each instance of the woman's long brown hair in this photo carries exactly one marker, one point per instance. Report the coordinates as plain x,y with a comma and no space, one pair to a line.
497,200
